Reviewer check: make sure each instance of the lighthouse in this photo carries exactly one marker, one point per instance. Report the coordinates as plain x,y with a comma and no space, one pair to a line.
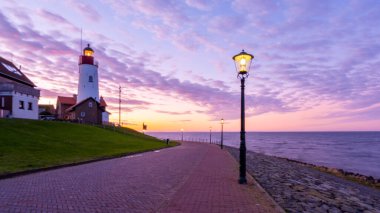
87,106
88,85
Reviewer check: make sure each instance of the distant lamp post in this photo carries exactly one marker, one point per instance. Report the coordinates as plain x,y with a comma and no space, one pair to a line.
221,138
210,134
182,134
242,62
145,127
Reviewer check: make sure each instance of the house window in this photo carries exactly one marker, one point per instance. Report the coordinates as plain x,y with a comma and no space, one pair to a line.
21,105
90,79
30,106
11,69
82,114
2,101
90,104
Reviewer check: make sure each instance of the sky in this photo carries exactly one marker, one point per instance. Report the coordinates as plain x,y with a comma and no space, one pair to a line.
315,67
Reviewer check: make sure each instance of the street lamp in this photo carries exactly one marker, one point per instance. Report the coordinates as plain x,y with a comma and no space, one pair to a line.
242,62
210,134
182,134
221,138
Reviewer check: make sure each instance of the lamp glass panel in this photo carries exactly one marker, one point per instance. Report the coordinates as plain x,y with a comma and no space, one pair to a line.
88,53
243,62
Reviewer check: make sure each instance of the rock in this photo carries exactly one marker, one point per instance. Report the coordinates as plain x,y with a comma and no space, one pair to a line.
325,207
334,210
347,209
370,179
299,187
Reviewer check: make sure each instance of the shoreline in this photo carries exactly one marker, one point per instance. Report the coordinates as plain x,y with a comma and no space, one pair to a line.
333,153
367,180
301,187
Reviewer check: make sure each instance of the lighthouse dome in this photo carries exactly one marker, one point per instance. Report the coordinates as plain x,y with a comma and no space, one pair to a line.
88,51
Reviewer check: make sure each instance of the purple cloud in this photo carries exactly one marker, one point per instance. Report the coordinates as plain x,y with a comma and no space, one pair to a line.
219,24
86,10
306,53
52,17
200,4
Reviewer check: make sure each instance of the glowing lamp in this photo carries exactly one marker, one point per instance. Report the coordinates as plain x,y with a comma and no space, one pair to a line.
88,51
243,62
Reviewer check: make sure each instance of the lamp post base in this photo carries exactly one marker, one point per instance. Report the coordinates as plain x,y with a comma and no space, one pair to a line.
242,180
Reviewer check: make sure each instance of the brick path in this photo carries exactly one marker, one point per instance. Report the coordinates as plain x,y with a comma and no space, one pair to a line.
189,178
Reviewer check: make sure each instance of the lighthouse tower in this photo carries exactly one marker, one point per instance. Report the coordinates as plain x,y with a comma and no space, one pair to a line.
88,76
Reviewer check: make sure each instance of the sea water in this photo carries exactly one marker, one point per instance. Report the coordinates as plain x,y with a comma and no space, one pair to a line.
357,152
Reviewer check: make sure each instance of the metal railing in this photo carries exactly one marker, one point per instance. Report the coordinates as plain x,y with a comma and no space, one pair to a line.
193,139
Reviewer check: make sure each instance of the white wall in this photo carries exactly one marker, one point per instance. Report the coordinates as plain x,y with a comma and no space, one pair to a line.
24,113
105,117
85,88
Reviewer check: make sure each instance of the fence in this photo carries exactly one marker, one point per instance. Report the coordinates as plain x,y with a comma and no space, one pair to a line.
192,139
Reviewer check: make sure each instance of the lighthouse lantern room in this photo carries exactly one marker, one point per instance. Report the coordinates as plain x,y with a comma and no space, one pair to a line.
88,76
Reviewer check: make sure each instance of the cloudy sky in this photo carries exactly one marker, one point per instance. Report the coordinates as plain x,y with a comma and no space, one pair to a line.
316,66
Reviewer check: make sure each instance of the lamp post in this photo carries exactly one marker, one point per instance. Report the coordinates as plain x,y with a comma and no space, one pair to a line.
182,134
210,134
221,138
242,62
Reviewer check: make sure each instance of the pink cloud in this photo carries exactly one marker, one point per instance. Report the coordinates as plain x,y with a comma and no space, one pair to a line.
174,113
257,7
6,28
86,10
301,59
232,23
200,4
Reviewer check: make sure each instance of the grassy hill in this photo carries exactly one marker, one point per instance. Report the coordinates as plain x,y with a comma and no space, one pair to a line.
31,144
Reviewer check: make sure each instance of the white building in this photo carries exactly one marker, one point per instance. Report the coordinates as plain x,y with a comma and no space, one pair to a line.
18,96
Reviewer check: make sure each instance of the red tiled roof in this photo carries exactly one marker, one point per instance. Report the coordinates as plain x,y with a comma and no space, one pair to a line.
10,71
67,100
102,102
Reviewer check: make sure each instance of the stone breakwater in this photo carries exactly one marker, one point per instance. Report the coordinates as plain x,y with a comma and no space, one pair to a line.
366,180
297,187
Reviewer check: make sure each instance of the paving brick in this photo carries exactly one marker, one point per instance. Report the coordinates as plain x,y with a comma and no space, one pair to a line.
192,177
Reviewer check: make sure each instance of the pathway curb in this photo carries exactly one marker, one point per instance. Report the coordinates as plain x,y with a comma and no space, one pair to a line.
252,180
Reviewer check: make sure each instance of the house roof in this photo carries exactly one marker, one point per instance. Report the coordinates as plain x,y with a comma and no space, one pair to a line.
72,108
102,102
66,100
10,71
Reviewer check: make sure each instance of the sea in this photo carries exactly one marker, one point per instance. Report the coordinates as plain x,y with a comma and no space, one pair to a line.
357,152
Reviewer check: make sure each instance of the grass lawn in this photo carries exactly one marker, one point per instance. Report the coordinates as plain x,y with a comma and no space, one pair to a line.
31,144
